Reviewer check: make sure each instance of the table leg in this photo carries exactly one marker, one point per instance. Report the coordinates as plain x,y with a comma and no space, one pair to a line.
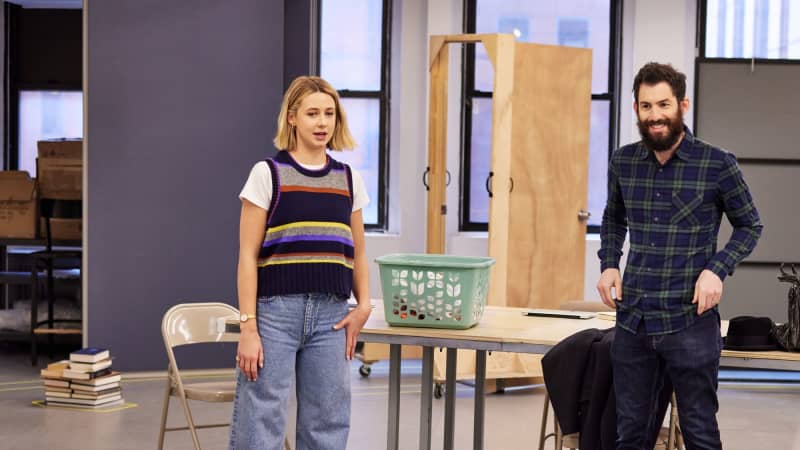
450,399
426,402
393,434
480,387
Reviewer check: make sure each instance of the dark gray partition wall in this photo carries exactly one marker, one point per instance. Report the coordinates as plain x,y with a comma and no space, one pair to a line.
752,111
182,100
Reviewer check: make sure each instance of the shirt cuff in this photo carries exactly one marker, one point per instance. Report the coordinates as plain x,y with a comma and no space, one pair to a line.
718,268
609,264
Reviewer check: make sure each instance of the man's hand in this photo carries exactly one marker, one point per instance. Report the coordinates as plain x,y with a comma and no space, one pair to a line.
707,291
353,322
610,278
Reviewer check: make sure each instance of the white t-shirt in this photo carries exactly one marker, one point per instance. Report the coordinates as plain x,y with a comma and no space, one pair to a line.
258,187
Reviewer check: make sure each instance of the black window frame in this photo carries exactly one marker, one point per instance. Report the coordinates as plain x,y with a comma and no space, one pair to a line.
384,97
13,86
468,92
700,44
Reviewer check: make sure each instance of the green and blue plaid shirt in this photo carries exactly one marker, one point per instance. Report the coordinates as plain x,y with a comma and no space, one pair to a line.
673,213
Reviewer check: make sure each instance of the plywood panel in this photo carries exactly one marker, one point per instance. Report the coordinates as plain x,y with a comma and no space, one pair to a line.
549,166
437,148
501,49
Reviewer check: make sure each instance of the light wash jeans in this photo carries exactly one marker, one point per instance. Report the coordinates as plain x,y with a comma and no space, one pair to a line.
299,345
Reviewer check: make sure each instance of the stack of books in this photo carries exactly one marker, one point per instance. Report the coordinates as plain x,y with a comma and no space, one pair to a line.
85,380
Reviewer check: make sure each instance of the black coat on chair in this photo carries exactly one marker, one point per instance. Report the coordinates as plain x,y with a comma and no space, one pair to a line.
578,376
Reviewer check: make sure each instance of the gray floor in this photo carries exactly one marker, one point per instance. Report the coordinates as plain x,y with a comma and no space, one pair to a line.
752,416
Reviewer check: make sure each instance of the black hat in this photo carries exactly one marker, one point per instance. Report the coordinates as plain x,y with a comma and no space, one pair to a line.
750,334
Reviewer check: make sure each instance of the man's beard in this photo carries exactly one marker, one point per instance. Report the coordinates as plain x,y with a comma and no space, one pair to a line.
674,130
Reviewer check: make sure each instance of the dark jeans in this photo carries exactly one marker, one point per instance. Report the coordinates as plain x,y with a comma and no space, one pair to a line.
690,358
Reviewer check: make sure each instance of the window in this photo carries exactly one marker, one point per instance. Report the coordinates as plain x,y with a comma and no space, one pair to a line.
766,29
570,23
354,58
47,115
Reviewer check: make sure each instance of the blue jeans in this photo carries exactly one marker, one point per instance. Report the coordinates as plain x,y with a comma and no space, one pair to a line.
690,358
300,346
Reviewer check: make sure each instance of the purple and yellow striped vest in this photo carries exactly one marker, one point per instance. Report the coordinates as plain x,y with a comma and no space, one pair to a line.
308,245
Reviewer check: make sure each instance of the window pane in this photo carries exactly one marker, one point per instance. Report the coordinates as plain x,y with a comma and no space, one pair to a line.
363,118
571,23
350,44
598,159
47,115
753,29
480,159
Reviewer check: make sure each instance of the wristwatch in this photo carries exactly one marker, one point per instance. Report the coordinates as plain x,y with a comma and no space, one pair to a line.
245,317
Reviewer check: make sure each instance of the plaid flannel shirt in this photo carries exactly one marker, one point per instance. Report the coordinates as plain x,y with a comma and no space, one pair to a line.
673,213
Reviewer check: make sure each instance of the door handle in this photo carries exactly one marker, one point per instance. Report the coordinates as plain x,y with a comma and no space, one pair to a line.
584,215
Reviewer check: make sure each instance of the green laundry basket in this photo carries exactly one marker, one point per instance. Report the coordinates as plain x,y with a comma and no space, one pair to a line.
435,291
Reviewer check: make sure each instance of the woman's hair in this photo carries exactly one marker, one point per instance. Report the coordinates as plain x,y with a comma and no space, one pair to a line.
286,137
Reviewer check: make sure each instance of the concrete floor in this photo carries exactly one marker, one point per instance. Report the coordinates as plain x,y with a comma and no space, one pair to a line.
764,415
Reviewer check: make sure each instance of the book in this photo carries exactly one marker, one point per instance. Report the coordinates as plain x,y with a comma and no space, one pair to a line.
89,355
89,367
73,375
57,389
54,370
83,401
98,381
49,382
116,393
109,404
87,389
50,393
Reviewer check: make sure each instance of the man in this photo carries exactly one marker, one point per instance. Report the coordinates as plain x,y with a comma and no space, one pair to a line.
669,192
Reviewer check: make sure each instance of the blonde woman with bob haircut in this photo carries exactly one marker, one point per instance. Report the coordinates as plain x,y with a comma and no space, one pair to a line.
301,256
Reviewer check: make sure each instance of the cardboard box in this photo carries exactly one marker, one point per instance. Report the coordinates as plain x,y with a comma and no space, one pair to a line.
18,205
61,148
60,169
62,229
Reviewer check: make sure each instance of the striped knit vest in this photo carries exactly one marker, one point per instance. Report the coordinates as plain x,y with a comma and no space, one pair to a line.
308,246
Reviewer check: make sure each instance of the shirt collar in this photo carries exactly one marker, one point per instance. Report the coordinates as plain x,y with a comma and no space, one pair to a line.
684,151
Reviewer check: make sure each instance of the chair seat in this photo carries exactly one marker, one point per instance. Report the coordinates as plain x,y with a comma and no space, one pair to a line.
573,440
217,391
43,330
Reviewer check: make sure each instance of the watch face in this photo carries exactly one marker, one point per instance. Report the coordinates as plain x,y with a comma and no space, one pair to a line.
243,318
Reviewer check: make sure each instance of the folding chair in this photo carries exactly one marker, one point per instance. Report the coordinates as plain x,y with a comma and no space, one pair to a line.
669,438
195,323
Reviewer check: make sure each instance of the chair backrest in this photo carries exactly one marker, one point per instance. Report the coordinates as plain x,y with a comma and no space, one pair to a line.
51,207
194,323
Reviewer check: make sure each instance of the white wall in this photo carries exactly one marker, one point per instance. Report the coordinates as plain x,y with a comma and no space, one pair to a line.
652,31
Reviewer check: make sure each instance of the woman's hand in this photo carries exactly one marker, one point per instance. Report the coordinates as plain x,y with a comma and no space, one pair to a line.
353,322
249,354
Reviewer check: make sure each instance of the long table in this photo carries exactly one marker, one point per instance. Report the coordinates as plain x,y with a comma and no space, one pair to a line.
501,329
506,330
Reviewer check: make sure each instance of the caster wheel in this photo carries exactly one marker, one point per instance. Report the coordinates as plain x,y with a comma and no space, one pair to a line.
364,370
438,391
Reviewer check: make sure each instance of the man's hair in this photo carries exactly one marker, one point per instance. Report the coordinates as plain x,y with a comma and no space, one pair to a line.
301,87
653,73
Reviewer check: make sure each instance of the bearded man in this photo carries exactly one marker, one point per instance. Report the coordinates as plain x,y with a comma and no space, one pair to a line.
669,191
